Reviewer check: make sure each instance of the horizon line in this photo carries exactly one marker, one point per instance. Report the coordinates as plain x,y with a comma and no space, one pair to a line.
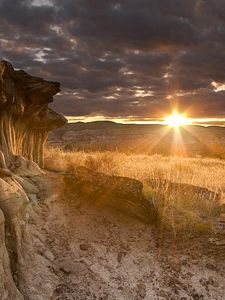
206,122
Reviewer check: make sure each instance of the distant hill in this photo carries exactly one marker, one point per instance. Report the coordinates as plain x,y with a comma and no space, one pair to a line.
140,138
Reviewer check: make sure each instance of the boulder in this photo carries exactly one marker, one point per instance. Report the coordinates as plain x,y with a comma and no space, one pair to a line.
119,193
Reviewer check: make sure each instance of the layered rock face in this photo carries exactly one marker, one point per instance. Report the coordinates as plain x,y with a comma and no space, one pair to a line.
8,289
25,118
121,194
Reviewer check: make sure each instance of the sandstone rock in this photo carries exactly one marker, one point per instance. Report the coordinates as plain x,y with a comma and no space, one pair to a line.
3,168
12,198
2,161
5,172
24,167
32,197
25,118
187,189
120,193
27,185
8,290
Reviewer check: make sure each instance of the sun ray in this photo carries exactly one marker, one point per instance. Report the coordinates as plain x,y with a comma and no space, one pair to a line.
176,120
150,142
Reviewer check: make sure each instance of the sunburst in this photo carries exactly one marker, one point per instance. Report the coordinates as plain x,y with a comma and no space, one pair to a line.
176,120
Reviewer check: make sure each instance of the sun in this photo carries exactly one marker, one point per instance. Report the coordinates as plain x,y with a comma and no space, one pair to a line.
176,120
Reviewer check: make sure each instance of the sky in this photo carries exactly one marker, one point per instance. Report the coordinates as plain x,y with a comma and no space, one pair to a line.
131,60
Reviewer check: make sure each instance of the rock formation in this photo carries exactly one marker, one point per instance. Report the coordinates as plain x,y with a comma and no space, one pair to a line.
25,118
54,249
121,194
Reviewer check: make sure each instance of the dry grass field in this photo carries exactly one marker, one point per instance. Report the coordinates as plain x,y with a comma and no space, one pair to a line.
179,210
203,172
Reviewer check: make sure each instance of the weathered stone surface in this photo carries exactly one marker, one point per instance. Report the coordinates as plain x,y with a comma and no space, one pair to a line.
120,193
25,168
8,290
18,268
186,189
25,118
12,197
27,185
2,161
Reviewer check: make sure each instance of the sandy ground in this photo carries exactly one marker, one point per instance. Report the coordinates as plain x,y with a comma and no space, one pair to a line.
97,254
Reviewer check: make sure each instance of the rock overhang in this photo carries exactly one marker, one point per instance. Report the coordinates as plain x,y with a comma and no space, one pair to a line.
25,118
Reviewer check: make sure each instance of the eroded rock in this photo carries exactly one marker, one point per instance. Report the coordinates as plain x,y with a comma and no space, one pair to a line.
25,118
120,193
186,189
8,290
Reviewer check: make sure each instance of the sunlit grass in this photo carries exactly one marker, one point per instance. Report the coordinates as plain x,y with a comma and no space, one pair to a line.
179,211
203,172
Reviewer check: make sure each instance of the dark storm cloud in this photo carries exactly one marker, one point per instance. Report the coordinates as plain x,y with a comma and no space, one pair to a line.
130,25
121,58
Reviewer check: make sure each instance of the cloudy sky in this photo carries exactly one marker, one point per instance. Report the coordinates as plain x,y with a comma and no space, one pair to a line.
130,59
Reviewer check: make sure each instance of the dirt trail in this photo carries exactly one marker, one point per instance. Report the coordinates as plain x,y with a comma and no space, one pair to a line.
103,255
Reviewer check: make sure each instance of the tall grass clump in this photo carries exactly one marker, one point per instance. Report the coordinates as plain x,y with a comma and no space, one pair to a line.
181,212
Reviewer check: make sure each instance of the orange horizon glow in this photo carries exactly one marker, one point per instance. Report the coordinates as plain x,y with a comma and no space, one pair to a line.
146,121
176,120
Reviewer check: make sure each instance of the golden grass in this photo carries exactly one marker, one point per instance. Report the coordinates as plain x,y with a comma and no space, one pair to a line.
203,172
177,211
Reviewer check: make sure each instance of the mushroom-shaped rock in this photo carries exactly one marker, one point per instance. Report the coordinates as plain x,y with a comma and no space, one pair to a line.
25,118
